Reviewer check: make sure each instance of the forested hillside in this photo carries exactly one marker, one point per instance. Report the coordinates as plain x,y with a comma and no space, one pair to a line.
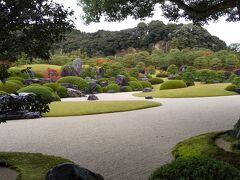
144,36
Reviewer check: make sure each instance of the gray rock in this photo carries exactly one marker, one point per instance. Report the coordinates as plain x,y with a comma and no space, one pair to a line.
69,70
92,97
77,65
143,79
13,115
75,93
148,97
147,90
121,80
70,171
237,90
69,85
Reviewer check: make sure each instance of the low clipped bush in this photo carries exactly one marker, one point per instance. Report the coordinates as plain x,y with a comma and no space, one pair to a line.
232,77
99,88
188,78
178,77
2,92
200,168
78,81
135,85
9,87
149,76
126,89
145,84
154,81
45,94
231,87
113,87
16,78
236,81
162,74
18,73
173,84
104,89
17,82
62,91
53,86
132,79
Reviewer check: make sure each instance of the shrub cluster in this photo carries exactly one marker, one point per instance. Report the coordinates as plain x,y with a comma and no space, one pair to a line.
113,87
201,168
145,84
154,81
9,87
78,81
135,85
173,84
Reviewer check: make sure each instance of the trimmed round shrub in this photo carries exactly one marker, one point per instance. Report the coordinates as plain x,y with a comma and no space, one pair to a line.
16,78
232,77
200,168
104,89
132,79
78,81
9,87
178,77
53,86
236,81
42,91
145,84
62,91
154,81
135,85
99,88
2,92
17,82
188,78
18,73
173,84
114,87
162,74
56,97
231,87
149,76
126,89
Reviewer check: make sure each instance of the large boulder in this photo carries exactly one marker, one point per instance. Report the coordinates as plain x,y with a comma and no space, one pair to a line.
92,97
69,85
121,80
77,65
74,93
70,171
236,130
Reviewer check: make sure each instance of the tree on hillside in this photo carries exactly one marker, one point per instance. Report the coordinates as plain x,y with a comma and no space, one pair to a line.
31,27
198,11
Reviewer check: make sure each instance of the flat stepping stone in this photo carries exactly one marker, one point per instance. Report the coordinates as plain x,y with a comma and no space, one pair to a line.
148,97
8,174
221,143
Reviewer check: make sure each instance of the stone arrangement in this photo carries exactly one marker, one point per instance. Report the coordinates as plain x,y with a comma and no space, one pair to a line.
70,171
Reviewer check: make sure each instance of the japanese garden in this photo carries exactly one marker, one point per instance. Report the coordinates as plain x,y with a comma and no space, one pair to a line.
156,101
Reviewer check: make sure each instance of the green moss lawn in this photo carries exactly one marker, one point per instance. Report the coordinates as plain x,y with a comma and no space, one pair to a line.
204,145
200,90
39,67
96,107
30,166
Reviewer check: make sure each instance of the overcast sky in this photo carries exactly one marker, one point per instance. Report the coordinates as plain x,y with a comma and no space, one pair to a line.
229,32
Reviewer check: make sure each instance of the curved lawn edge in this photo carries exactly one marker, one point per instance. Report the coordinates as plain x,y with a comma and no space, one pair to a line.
204,145
207,90
30,165
62,109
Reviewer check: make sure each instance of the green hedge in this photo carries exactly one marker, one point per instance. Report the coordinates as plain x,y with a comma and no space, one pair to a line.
113,86
126,89
145,84
132,79
231,87
2,92
99,88
53,86
16,78
17,82
135,85
78,81
9,87
196,168
46,95
17,73
62,92
154,81
173,84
